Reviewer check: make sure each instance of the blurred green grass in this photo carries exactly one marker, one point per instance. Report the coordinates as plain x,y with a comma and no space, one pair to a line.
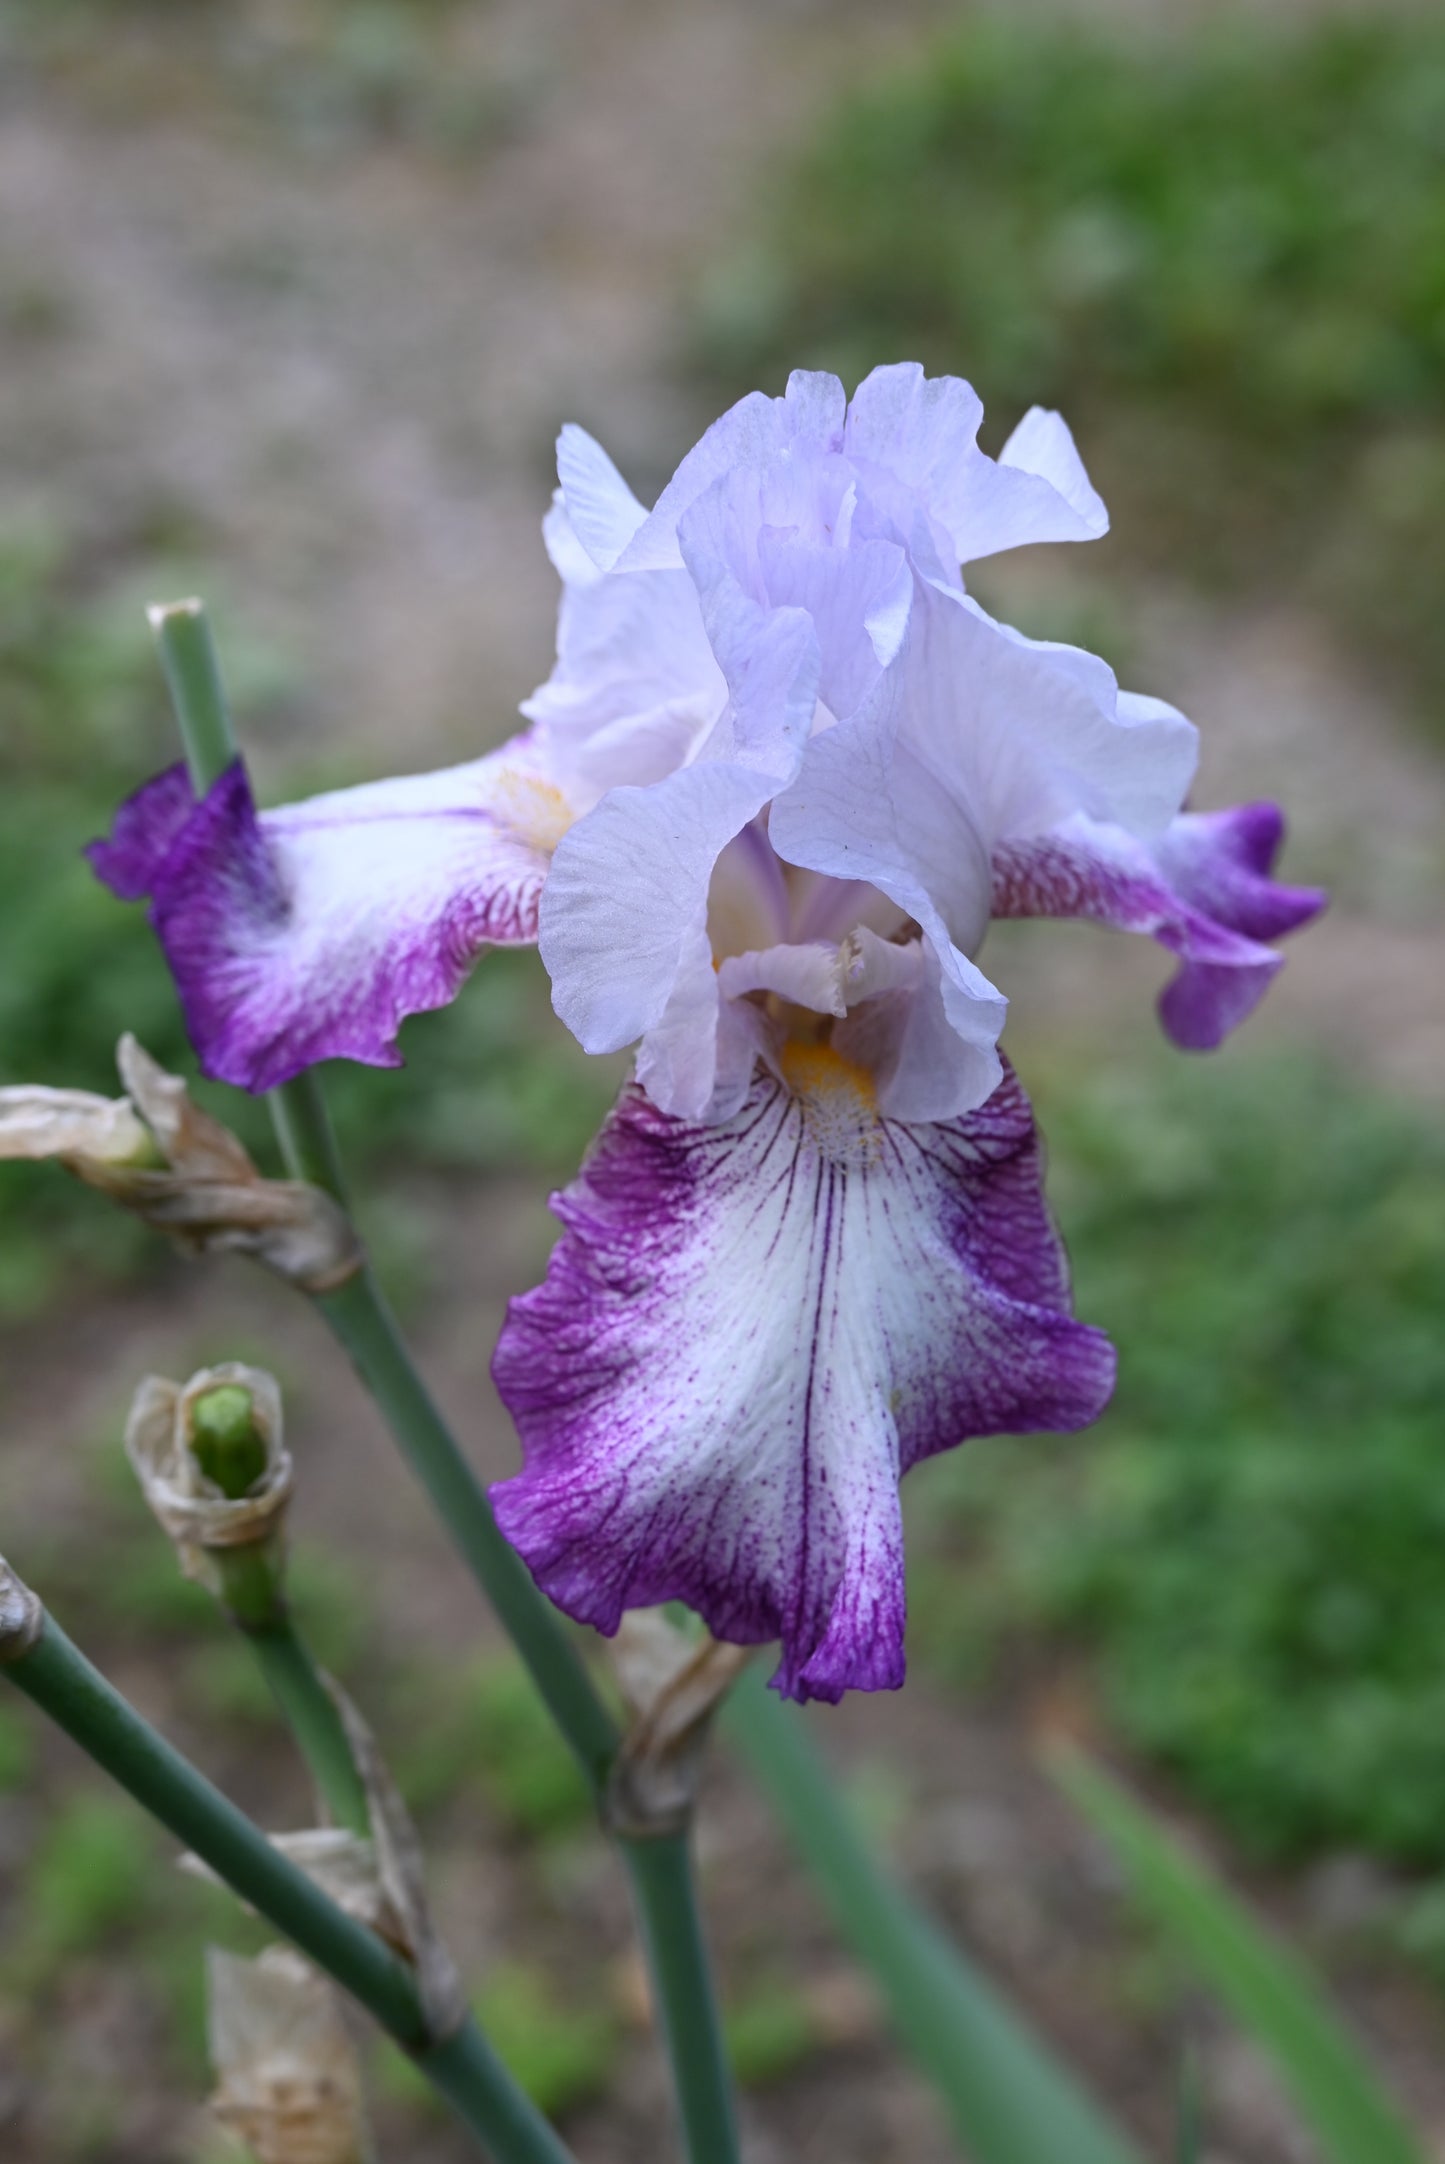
1219,248
1246,1554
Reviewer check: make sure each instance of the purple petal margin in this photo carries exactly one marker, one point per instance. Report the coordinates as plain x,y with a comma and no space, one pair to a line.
312,932
749,1332
146,826
1204,892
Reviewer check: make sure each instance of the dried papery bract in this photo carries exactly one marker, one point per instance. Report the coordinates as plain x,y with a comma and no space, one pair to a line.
673,1684
288,2079
400,1876
345,1865
379,1880
158,1154
22,1618
203,1522
73,1125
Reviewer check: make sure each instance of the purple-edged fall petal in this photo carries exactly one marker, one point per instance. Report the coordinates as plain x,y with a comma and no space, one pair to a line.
750,1330
1203,889
311,932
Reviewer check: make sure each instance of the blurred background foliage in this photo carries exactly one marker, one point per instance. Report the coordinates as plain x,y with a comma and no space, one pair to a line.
1221,253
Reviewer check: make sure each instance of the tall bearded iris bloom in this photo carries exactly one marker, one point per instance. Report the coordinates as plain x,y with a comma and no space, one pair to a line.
783,774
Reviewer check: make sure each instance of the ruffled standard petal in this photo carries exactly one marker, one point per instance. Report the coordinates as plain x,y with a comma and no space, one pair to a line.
1203,890
636,686
973,735
624,920
311,932
923,432
601,509
750,437
749,1331
858,596
1038,491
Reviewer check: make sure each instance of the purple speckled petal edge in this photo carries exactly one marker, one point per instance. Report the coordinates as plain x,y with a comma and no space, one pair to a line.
1203,891
749,1331
312,932
146,826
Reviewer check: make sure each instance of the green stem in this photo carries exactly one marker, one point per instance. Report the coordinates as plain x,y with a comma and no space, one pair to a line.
358,1313
252,1596
361,1319
671,1926
310,1712
1189,2119
306,1136
193,678
660,1869
57,1676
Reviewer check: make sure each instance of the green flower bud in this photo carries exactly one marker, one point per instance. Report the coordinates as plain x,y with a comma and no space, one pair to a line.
225,1440
214,1466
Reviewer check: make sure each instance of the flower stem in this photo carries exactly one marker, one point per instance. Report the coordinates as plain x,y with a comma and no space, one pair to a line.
660,1869
361,1319
306,1136
252,1596
359,1316
193,677
462,2067
311,1714
667,1908
358,1312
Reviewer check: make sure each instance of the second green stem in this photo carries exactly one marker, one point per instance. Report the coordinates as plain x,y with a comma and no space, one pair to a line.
253,1598
671,1925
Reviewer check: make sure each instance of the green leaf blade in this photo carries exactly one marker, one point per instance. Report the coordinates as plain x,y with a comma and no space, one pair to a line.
1267,1989
1008,2099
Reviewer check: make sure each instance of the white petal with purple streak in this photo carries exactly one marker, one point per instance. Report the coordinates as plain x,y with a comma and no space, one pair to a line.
749,1331
312,931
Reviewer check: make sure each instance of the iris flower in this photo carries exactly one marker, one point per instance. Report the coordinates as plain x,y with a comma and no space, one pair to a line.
782,776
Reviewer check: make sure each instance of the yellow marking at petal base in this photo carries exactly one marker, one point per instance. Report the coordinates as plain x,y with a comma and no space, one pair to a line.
838,1097
536,810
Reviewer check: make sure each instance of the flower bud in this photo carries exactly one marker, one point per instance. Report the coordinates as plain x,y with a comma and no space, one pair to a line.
288,2077
214,1468
225,1440
673,1684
